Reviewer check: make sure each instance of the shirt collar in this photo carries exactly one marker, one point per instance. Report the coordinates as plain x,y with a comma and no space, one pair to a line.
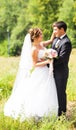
62,36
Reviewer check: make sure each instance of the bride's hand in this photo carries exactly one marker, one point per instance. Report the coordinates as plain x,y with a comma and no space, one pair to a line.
49,61
52,37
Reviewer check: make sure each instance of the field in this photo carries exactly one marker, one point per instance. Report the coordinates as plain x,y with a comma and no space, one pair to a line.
8,71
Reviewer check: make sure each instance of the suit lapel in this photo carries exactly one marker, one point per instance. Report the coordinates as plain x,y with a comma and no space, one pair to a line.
54,46
54,42
62,41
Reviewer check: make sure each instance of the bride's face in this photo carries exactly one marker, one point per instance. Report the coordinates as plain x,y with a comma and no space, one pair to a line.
40,37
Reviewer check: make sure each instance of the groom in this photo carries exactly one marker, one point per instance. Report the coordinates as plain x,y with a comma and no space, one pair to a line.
62,44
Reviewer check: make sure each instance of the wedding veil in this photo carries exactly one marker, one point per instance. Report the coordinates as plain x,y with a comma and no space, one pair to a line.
26,59
25,64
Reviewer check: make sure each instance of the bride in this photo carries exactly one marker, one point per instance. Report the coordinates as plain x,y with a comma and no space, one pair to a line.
34,93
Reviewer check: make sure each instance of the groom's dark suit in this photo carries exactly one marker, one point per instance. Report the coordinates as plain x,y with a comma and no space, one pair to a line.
61,70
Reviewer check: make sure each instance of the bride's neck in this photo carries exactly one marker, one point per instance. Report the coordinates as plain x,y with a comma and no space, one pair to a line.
36,44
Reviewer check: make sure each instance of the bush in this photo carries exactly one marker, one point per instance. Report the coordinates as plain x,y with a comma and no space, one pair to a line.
4,48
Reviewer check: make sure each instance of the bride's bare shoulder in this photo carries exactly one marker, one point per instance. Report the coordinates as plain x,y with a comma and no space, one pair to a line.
34,50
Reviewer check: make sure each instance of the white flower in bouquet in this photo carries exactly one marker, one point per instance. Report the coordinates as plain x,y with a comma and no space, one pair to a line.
50,54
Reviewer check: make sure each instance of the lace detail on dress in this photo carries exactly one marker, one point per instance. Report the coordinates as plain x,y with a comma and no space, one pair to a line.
40,54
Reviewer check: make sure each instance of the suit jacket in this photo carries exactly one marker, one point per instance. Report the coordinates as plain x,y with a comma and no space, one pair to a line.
60,64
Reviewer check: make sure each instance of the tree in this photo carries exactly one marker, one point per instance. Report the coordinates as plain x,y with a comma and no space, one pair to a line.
19,16
66,13
10,12
43,14
36,14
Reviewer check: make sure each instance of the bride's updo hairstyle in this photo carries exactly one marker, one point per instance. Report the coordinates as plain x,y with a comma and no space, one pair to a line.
35,33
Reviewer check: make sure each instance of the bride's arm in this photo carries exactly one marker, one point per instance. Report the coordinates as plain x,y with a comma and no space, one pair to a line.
37,63
46,43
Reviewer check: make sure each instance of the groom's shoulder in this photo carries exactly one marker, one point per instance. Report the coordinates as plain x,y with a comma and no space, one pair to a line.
67,39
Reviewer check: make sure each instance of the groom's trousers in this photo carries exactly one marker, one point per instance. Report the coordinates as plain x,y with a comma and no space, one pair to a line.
61,92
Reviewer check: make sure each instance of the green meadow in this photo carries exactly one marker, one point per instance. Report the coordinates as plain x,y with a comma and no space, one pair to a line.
8,71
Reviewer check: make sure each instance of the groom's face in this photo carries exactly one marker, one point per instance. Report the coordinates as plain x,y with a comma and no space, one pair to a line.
58,32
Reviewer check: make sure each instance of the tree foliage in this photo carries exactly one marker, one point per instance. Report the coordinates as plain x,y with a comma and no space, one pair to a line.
17,17
66,13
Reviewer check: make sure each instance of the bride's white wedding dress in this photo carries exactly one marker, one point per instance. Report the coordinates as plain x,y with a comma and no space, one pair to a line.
33,94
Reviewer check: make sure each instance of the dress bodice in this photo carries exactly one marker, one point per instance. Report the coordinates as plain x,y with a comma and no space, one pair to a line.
40,54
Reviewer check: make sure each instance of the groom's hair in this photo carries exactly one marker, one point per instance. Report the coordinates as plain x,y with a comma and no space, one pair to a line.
60,24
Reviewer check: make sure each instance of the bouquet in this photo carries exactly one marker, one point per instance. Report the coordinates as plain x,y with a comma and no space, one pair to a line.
50,54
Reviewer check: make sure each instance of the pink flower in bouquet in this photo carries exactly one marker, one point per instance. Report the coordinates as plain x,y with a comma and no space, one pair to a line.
51,53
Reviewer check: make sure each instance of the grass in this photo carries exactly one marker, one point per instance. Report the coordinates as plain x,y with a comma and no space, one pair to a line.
71,89
8,71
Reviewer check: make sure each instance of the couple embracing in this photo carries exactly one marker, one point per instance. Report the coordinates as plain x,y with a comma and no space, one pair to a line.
42,90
